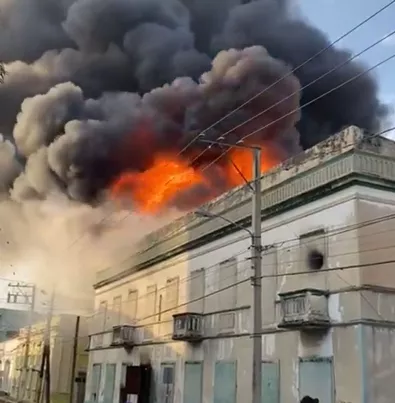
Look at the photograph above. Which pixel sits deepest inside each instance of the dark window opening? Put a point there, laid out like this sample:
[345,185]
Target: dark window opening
[315,259]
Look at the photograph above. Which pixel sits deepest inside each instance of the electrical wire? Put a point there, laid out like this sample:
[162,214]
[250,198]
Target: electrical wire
[250,134]
[327,234]
[350,80]
[377,264]
[266,89]
[330,45]
[168,236]
[339,66]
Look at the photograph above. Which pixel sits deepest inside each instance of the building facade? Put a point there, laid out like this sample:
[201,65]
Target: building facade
[12,357]
[328,291]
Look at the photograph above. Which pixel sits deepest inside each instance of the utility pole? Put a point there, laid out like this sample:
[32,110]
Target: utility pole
[74,360]
[22,294]
[256,264]
[45,371]
[256,280]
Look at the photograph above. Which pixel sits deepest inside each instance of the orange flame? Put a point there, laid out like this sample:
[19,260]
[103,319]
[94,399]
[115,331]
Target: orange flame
[170,176]
[157,186]
[240,164]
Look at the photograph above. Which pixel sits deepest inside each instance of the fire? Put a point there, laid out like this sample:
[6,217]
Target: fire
[170,177]
[242,159]
[159,184]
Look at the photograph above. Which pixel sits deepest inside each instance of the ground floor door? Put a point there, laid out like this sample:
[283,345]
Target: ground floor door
[95,386]
[109,383]
[225,382]
[193,382]
[270,382]
[316,379]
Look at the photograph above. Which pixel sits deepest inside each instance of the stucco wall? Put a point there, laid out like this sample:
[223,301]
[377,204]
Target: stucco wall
[336,214]
[379,364]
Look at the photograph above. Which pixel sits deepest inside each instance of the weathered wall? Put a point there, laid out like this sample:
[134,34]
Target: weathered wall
[320,200]
[377,239]
[379,365]
[281,267]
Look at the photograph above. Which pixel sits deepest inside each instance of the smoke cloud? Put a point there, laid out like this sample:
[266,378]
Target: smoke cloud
[96,88]
[99,70]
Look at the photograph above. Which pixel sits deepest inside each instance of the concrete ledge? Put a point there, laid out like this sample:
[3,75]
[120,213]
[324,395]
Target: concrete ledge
[329,166]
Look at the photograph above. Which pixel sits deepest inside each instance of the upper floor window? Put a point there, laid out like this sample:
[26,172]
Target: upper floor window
[117,307]
[313,249]
[227,280]
[132,304]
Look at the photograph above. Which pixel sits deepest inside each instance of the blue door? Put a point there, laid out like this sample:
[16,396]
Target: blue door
[270,382]
[109,383]
[316,379]
[225,381]
[193,382]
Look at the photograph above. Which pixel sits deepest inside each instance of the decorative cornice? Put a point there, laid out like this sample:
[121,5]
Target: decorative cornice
[327,167]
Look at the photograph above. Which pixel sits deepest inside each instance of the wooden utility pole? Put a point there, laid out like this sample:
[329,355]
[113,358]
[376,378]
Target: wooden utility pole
[74,360]
[45,371]
[41,374]
[48,376]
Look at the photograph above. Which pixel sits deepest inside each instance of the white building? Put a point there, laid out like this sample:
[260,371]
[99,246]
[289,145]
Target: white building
[12,356]
[328,225]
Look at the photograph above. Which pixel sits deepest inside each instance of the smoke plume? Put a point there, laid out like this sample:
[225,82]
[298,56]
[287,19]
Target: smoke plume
[99,94]
[76,102]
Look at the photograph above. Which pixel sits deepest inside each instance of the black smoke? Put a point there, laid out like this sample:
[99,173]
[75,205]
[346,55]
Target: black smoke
[95,87]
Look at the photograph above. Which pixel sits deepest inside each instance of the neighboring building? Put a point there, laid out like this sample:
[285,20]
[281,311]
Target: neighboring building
[328,299]
[62,338]
[8,351]
[11,320]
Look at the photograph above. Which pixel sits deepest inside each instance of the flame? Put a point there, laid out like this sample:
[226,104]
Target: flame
[240,166]
[157,186]
[169,177]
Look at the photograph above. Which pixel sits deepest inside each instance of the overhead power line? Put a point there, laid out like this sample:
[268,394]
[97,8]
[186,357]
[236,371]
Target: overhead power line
[330,45]
[273,84]
[301,107]
[376,264]
[327,234]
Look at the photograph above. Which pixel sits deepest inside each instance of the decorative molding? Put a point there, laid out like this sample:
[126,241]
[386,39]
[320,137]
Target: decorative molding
[325,165]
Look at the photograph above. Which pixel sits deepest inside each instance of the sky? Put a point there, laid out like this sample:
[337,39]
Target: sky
[336,17]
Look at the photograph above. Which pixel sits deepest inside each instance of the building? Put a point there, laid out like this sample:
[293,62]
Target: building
[11,320]
[328,291]
[12,355]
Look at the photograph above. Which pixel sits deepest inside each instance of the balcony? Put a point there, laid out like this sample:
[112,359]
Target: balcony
[123,336]
[188,326]
[305,309]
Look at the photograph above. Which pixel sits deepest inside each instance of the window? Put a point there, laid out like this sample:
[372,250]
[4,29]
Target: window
[117,306]
[103,314]
[132,304]
[180,323]
[227,278]
[171,296]
[313,249]
[194,324]
[196,293]
[150,310]
[150,306]
[167,383]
